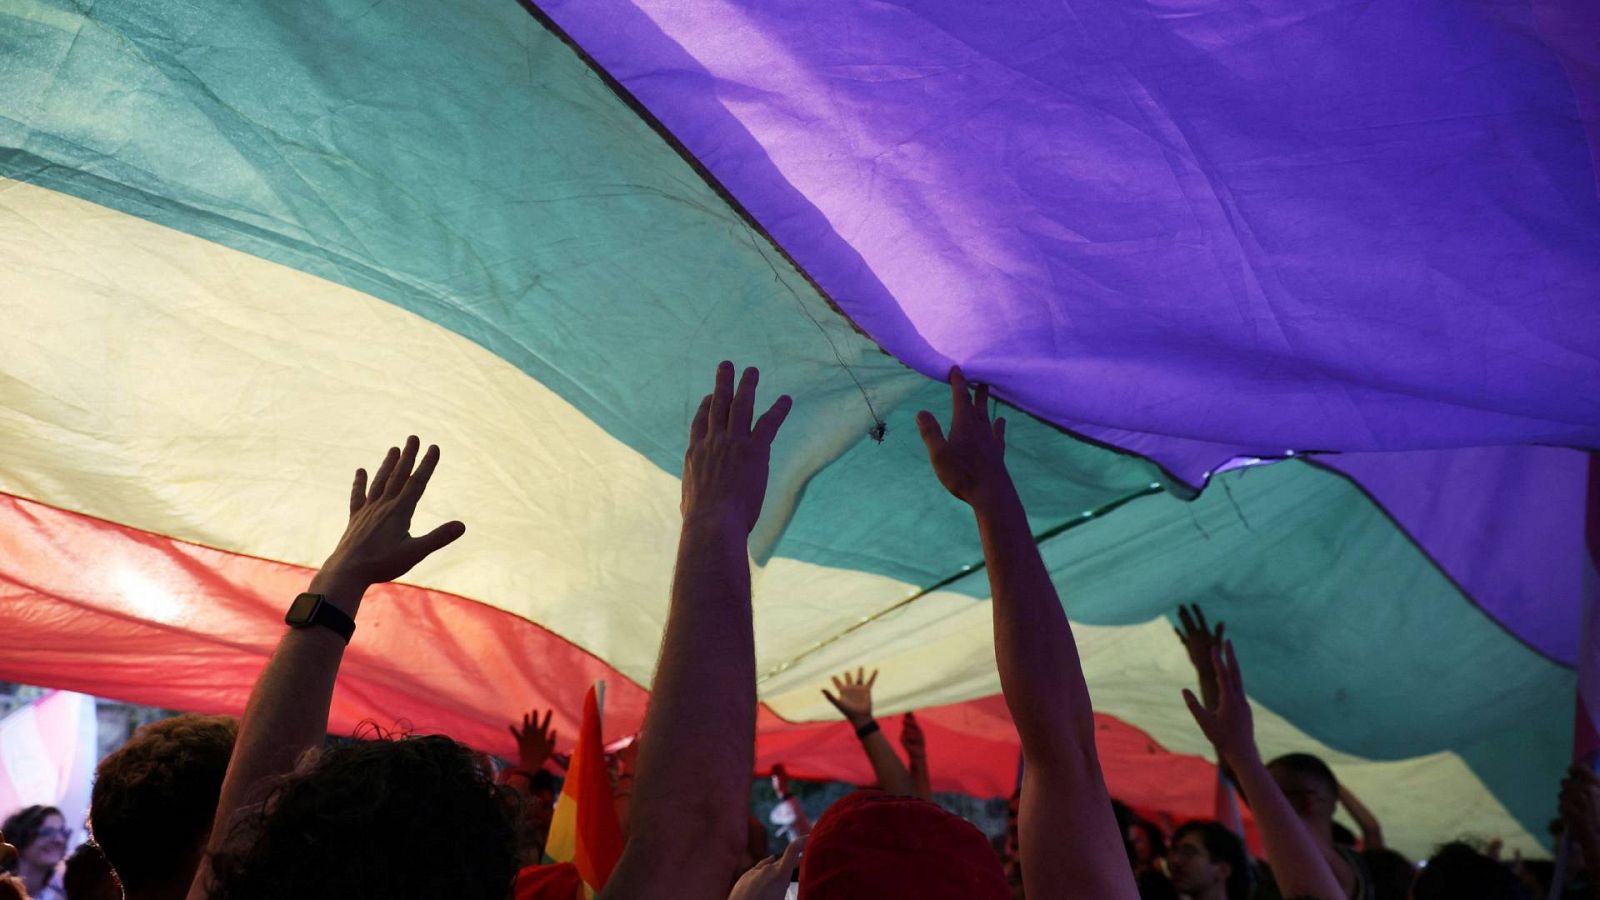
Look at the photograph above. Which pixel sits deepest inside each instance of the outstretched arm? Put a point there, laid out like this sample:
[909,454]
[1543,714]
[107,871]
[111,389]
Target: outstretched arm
[1298,863]
[854,702]
[1069,841]
[288,710]
[691,794]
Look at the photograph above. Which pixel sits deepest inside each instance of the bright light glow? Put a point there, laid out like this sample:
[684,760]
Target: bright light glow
[146,598]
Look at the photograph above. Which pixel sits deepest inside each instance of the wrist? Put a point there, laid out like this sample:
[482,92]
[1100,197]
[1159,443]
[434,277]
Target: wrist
[866,729]
[717,519]
[1239,759]
[996,501]
[338,588]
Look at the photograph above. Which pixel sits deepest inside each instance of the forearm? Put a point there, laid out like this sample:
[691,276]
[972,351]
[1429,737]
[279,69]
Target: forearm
[694,769]
[1371,831]
[1068,835]
[1297,862]
[920,778]
[893,777]
[1040,674]
[287,713]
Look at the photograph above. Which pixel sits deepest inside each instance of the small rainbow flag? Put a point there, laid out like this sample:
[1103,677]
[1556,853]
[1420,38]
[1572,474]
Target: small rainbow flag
[585,831]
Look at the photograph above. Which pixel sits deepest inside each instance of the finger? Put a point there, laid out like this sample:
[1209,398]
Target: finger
[721,398]
[791,857]
[702,416]
[546,725]
[1220,626]
[932,435]
[1235,676]
[412,492]
[1000,432]
[832,699]
[375,489]
[767,426]
[358,491]
[1195,709]
[514,733]
[873,680]
[420,548]
[402,469]
[1200,618]
[744,402]
[527,722]
[980,402]
[861,675]
[837,685]
[1184,617]
[960,399]
[1219,671]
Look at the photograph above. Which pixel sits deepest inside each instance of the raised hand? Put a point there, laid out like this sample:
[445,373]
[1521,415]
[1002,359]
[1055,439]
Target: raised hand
[1228,722]
[725,469]
[970,459]
[1200,641]
[911,737]
[377,545]
[535,740]
[854,700]
[769,879]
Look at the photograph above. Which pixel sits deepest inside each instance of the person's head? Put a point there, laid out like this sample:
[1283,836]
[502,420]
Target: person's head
[416,817]
[1391,873]
[1145,842]
[873,844]
[40,834]
[1458,870]
[1309,785]
[88,875]
[537,790]
[1204,855]
[154,800]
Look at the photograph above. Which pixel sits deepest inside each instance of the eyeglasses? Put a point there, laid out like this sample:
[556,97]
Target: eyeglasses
[52,832]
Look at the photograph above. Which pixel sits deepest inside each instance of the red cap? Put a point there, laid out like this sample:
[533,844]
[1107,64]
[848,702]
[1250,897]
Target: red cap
[874,845]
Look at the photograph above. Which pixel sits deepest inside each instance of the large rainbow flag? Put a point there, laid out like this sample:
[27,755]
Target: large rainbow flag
[244,246]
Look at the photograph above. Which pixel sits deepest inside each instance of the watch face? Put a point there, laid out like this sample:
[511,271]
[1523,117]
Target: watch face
[300,611]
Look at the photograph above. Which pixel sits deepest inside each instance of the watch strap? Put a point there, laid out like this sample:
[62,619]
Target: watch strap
[322,613]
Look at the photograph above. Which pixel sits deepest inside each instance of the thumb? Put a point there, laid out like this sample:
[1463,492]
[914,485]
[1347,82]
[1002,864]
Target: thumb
[420,548]
[1201,716]
[932,434]
[832,699]
[791,856]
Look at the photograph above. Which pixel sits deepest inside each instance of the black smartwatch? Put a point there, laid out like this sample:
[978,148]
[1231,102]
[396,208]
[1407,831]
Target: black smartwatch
[313,609]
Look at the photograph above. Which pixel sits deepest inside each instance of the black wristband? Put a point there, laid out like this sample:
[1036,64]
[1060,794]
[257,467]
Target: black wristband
[313,609]
[866,730]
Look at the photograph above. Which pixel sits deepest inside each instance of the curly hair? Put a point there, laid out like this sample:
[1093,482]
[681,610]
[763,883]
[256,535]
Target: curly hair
[417,817]
[155,797]
[89,875]
[21,828]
